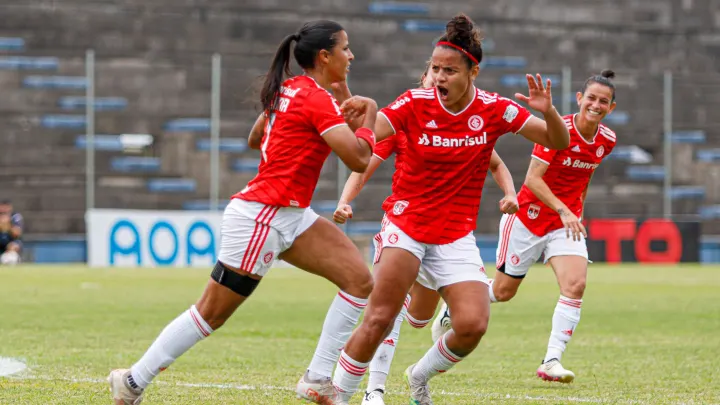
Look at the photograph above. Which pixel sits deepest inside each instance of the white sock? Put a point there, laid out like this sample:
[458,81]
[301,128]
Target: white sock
[348,376]
[438,359]
[417,323]
[491,292]
[380,364]
[340,321]
[564,321]
[177,338]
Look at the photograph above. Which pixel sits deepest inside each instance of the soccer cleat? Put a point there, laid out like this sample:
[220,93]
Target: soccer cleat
[375,397]
[419,391]
[122,393]
[552,370]
[321,392]
[442,323]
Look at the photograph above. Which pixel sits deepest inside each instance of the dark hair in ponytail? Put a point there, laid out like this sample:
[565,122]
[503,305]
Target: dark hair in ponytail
[603,78]
[313,37]
[461,32]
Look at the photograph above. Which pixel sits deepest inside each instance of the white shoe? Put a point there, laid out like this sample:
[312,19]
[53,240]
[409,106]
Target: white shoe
[321,392]
[442,323]
[419,392]
[375,397]
[552,370]
[122,393]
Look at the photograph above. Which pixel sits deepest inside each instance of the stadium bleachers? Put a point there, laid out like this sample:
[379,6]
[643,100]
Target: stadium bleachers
[151,79]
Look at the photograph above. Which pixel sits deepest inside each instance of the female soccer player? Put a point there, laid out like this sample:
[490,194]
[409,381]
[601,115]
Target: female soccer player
[451,131]
[549,220]
[422,302]
[271,217]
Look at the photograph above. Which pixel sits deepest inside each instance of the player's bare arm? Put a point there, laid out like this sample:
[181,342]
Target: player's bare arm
[256,133]
[503,178]
[552,132]
[342,93]
[352,188]
[534,181]
[351,147]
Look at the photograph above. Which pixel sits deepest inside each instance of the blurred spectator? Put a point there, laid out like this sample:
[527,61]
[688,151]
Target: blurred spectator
[11,224]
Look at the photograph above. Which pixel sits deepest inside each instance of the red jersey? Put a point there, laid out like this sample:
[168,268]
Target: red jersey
[568,175]
[293,150]
[437,196]
[396,144]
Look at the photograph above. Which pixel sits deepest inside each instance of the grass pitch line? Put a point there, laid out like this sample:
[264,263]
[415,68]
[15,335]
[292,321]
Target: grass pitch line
[237,387]
[10,366]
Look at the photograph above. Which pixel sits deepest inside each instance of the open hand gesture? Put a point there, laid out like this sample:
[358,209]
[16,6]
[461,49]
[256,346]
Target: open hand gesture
[539,97]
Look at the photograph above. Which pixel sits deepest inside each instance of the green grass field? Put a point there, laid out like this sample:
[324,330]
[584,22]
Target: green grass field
[648,335]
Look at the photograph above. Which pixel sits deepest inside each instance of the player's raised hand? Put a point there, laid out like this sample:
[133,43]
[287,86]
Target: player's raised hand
[341,91]
[342,213]
[355,106]
[509,204]
[539,97]
[572,224]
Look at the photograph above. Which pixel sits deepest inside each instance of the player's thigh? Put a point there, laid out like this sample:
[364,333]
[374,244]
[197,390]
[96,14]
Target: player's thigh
[569,260]
[505,287]
[323,249]
[469,305]
[394,274]
[423,302]
[518,248]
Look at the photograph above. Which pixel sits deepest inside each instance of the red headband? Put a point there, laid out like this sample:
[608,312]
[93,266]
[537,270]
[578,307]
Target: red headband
[451,45]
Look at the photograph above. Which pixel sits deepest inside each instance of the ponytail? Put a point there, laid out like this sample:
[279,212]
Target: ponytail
[279,68]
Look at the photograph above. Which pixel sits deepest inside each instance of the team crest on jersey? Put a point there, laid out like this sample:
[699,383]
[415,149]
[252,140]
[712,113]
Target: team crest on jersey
[533,211]
[475,123]
[268,257]
[399,207]
[393,238]
[600,151]
[510,113]
[514,259]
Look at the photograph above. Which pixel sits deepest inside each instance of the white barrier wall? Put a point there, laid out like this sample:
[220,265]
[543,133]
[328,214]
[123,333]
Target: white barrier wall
[131,238]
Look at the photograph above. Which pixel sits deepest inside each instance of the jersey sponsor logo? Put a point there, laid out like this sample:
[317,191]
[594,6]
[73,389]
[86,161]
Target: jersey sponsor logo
[431,124]
[399,103]
[576,148]
[268,257]
[579,164]
[399,207]
[510,113]
[533,211]
[439,141]
[393,238]
[514,259]
[294,203]
[600,151]
[475,123]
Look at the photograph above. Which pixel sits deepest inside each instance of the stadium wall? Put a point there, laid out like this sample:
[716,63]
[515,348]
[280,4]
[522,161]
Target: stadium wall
[183,238]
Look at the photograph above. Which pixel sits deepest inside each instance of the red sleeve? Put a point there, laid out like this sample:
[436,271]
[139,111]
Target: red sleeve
[398,112]
[609,137]
[512,115]
[323,112]
[543,154]
[386,147]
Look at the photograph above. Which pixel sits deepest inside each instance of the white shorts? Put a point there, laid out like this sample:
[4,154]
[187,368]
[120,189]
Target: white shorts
[254,234]
[519,248]
[440,265]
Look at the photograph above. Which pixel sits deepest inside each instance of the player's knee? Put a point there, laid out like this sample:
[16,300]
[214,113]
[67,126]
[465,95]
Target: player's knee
[574,288]
[470,329]
[361,286]
[504,293]
[379,322]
